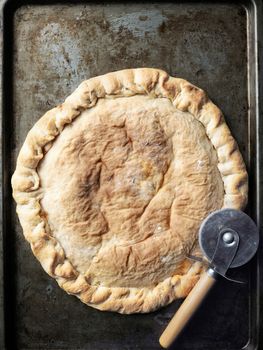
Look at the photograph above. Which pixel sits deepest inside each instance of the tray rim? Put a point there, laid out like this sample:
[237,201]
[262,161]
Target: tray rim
[254,9]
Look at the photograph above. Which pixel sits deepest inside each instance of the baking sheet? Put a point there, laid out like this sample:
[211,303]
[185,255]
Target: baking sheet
[49,48]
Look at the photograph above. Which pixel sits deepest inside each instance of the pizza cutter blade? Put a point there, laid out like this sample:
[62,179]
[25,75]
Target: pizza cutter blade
[228,238]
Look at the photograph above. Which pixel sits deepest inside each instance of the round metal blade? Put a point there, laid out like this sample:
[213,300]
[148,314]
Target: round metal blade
[222,220]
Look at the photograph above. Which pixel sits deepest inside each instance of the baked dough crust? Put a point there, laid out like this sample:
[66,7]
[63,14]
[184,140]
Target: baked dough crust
[29,187]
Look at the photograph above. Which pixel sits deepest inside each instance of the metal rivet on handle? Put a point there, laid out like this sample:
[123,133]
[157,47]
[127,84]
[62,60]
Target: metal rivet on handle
[228,237]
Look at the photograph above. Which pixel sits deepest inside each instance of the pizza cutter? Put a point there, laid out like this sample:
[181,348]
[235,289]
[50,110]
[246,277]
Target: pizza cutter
[228,238]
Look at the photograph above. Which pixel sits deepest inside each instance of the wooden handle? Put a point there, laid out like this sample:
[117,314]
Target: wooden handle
[188,308]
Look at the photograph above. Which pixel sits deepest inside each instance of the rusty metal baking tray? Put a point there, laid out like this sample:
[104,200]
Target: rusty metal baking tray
[49,48]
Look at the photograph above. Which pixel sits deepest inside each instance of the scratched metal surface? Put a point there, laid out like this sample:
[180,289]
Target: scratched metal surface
[56,47]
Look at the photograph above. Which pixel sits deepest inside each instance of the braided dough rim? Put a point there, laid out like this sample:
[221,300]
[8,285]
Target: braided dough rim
[26,183]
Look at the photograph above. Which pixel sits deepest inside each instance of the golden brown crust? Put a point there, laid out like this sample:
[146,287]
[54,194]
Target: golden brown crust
[27,187]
